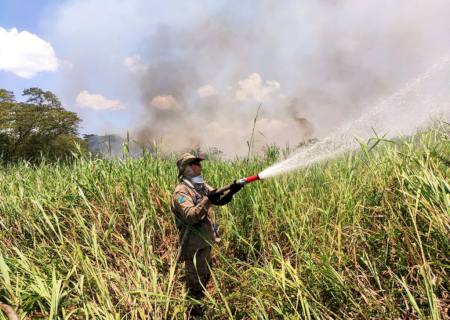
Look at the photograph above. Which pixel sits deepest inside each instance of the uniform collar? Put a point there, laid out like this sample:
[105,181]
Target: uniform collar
[185,180]
[199,188]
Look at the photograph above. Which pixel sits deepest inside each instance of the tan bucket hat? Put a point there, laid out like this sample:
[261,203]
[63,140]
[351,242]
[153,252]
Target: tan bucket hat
[185,160]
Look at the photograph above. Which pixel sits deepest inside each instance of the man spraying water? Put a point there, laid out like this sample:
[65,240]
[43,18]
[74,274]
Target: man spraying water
[192,203]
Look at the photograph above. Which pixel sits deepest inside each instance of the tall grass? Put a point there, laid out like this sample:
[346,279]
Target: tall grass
[365,236]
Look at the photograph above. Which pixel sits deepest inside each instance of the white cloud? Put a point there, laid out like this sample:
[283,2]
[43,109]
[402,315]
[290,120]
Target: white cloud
[97,101]
[25,54]
[165,102]
[206,91]
[253,88]
[134,63]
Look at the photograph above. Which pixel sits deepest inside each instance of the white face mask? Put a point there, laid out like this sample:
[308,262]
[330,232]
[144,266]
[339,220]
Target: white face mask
[197,179]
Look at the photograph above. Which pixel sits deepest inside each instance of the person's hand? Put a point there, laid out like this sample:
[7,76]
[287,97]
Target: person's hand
[235,187]
[214,196]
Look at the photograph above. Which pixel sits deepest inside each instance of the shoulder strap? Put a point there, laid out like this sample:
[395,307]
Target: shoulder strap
[188,183]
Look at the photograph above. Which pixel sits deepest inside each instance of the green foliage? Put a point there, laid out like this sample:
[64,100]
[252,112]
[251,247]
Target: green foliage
[365,236]
[36,128]
[6,96]
[271,153]
[42,98]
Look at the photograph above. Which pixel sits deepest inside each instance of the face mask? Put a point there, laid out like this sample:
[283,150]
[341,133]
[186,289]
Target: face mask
[197,179]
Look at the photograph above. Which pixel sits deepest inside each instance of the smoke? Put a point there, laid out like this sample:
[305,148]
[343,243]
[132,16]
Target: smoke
[201,70]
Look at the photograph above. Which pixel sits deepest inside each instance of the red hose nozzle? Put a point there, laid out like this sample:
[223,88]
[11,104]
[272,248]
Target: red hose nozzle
[249,179]
[242,182]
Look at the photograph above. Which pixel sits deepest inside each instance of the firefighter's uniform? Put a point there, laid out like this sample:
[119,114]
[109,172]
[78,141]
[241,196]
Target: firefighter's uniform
[192,203]
[194,214]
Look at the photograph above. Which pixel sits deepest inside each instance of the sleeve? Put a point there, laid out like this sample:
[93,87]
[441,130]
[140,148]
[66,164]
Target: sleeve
[225,199]
[187,211]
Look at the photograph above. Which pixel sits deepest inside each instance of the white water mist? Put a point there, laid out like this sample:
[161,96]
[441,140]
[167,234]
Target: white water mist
[409,109]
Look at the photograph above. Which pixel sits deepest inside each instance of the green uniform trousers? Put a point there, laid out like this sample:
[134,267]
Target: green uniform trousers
[197,272]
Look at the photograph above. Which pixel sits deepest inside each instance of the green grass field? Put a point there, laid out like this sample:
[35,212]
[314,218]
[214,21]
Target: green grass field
[365,236]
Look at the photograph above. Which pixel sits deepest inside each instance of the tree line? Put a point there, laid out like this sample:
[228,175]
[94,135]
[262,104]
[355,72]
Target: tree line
[40,127]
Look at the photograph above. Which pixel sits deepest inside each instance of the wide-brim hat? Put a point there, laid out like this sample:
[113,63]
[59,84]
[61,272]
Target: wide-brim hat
[185,160]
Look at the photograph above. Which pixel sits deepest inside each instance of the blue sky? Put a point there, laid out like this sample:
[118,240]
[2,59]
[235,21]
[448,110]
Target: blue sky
[23,14]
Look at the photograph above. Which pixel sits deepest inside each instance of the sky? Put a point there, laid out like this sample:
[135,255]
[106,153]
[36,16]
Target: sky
[193,73]
[61,33]
[24,16]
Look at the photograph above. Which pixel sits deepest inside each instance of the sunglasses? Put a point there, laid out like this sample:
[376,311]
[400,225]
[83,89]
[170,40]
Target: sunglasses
[195,163]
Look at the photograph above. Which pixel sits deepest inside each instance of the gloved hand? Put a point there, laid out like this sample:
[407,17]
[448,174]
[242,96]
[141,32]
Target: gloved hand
[235,187]
[214,196]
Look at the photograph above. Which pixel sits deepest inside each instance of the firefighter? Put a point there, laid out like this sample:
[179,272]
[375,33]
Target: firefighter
[192,203]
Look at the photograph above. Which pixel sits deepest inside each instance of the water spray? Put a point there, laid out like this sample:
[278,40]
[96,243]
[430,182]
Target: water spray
[402,113]
[409,109]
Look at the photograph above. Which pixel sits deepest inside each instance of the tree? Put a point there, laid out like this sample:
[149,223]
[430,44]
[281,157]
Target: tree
[41,98]
[39,126]
[6,96]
